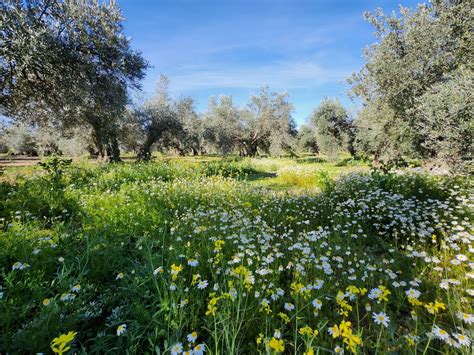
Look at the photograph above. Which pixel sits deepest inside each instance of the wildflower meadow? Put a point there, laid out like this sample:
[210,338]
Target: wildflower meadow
[234,256]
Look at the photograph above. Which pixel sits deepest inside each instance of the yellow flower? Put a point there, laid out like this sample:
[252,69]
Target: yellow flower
[335,331]
[218,244]
[345,307]
[414,301]
[410,340]
[265,307]
[310,351]
[259,339]
[345,327]
[434,308]
[356,291]
[60,344]
[211,307]
[384,294]
[277,345]
[284,317]
[46,302]
[175,270]
[306,330]
[296,287]
[353,341]
[195,279]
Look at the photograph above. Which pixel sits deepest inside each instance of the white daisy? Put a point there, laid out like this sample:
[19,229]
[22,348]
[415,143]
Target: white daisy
[412,293]
[466,317]
[202,284]
[121,329]
[317,304]
[462,339]
[177,349]
[440,333]
[381,318]
[199,349]
[192,337]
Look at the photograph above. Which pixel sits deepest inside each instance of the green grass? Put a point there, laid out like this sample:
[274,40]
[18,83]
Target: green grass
[254,255]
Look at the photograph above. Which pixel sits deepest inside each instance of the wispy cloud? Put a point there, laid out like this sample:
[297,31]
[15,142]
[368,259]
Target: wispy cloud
[288,74]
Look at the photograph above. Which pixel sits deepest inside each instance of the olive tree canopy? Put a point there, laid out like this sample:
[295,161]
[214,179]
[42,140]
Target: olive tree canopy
[420,66]
[67,63]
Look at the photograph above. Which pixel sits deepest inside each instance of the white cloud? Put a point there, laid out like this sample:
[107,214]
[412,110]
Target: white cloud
[289,74]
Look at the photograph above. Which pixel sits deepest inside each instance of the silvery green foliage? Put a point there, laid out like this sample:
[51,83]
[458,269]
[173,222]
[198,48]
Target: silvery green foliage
[375,132]
[445,118]
[190,138]
[269,125]
[21,138]
[307,139]
[331,127]
[416,53]
[265,125]
[168,123]
[221,125]
[67,63]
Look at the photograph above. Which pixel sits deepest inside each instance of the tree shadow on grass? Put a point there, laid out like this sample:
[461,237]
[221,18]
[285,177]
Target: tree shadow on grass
[259,175]
[310,160]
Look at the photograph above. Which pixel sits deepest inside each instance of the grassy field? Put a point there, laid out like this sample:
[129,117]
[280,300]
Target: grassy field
[228,256]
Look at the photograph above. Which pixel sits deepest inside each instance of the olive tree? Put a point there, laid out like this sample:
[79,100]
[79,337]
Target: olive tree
[171,124]
[421,56]
[306,139]
[67,63]
[265,124]
[221,125]
[333,129]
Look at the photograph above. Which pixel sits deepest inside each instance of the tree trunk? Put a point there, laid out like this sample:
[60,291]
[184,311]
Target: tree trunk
[97,138]
[144,154]
[350,145]
[250,150]
[113,151]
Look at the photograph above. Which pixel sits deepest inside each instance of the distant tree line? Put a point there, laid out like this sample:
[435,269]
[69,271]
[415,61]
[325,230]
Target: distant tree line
[67,72]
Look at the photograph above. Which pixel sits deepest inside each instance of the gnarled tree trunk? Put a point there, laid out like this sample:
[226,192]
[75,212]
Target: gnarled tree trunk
[144,153]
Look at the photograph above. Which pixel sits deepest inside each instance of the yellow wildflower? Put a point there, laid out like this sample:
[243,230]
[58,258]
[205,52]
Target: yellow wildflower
[211,307]
[61,344]
[434,308]
[297,287]
[306,330]
[284,317]
[384,294]
[414,301]
[277,345]
[218,244]
[175,270]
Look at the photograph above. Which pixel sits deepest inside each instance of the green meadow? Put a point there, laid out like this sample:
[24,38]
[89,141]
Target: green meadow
[234,255]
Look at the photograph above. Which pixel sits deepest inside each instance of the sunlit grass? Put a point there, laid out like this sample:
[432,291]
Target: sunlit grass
[235,256]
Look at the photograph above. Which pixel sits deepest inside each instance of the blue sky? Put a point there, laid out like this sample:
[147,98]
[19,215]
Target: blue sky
[230,47]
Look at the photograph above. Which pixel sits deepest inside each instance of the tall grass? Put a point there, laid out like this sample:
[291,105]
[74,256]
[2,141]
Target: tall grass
[187,255]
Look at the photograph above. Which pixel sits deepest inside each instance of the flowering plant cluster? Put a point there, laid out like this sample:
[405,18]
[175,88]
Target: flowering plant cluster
[160,258]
